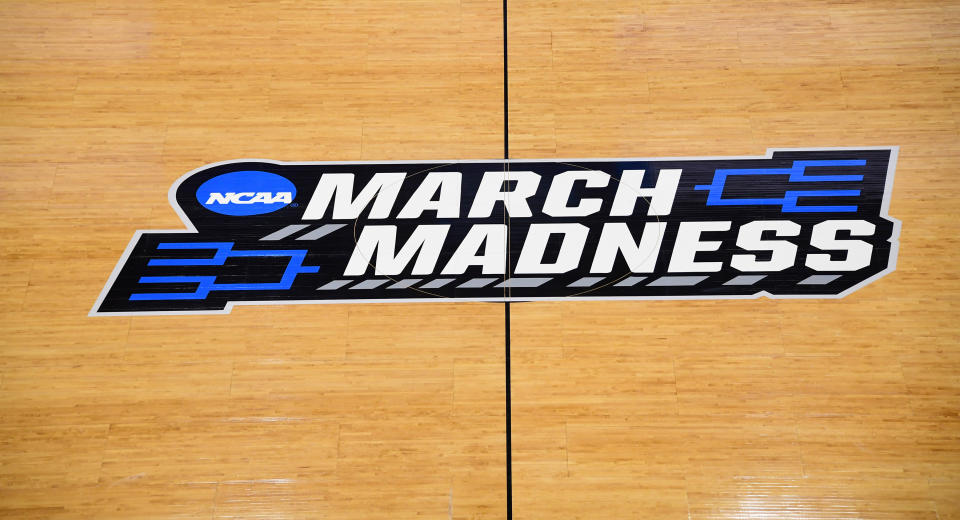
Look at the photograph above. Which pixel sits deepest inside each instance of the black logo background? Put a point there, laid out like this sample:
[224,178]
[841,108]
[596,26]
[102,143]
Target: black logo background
[331,252]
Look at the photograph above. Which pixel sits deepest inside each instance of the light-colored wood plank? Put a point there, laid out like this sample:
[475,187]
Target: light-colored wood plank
[729,409]
[779,409]
[302,411]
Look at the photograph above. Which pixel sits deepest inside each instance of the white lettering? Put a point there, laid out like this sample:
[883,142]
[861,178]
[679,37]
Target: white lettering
[447,206]
[824,237]
[556,202]
[382,241]
[383,186]
[248,197]
[661,195]
[491,191]
[534,246]
[688,244]
[617,238]
[783,253]
[493,239]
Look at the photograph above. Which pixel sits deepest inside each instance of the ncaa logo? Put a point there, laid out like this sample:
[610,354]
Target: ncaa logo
[248,192]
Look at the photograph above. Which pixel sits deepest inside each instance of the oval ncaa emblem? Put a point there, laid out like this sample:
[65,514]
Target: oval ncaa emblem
[248,192]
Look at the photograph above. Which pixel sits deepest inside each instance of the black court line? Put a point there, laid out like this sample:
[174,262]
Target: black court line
[506,321]
[506,304]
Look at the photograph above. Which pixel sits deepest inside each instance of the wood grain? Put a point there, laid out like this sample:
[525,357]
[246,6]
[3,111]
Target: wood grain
[726,409]
[747,409]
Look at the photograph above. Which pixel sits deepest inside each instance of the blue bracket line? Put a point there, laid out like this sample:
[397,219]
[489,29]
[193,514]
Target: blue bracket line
[789,201]
[206,284]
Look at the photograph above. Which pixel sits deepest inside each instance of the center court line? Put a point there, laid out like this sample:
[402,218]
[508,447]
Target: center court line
[506,289]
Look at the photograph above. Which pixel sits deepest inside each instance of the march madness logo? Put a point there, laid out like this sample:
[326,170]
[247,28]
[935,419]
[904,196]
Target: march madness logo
[793,224]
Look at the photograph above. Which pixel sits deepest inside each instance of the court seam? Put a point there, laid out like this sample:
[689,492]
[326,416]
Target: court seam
[506,303]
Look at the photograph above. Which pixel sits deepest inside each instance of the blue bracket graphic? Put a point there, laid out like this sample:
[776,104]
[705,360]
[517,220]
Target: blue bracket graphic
[206,284]
[788,203]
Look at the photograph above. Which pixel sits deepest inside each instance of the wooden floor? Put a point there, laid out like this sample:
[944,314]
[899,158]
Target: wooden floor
[833,409]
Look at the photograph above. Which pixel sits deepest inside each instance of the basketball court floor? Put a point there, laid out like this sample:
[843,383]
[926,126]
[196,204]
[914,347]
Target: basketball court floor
[819,408]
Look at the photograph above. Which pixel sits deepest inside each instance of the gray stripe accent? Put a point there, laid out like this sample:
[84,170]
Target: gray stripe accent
[369,284]
[403,284]
[523,282]
[586,281]
[336,284]
[745,279]
[436,284]
[321,231]
[819,279]
[630,281]
[285,232]
[676,281]
[477,283]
